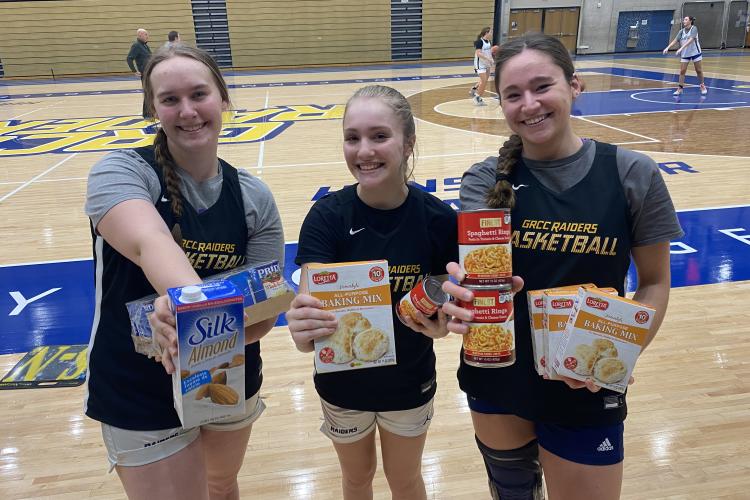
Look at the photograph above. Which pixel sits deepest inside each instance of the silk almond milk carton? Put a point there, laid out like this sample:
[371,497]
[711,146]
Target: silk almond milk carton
[359,294]
[209,380]
[603,339]
[535,299]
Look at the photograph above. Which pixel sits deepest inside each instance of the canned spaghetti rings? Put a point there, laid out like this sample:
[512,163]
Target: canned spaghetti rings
[426,297]
[484,248]
[490,341]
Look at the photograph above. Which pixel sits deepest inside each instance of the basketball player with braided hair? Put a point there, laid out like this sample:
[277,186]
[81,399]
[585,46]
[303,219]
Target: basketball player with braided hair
[580,211]
[162,216]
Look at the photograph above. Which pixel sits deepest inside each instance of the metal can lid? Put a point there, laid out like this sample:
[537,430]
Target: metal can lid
[503,288]
[433,288]
[502,209]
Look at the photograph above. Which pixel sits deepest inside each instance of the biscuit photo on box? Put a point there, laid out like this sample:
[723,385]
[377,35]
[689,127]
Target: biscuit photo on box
[586,357]
[370,345]
[610,370]
[340,341]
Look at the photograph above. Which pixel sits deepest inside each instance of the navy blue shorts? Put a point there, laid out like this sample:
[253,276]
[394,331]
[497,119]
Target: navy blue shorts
[596,445]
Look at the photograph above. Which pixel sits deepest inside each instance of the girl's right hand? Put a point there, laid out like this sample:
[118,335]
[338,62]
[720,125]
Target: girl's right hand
[307,321]
[665,51]
[460,314]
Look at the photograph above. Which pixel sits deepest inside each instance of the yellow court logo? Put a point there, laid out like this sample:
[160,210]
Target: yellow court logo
[86,135]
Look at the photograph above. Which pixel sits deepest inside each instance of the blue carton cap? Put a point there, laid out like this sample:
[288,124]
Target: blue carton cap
[213,291]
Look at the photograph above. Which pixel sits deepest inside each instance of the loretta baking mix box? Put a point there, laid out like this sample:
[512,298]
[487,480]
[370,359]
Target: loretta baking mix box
[209,380]
[535,299]
[603,339]
[558,304]
[359,294]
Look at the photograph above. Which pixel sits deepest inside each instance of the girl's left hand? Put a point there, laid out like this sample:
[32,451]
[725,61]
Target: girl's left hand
[434,328]
[163,324]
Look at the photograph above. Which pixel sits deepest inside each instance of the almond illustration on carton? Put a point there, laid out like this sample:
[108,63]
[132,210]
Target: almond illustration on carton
[219,378]
[202,392]
[184,374]
[237,360]
[222,394]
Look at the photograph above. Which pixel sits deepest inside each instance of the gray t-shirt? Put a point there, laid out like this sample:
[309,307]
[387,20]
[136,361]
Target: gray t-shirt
[124,175]
[652,212]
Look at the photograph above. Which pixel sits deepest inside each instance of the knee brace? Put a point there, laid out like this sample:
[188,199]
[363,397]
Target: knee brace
[513,474]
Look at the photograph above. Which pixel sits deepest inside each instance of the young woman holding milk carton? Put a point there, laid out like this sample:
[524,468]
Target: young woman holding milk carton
[149,207]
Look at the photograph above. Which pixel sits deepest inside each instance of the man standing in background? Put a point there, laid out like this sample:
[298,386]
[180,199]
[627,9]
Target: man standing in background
[139,54]
[172,38]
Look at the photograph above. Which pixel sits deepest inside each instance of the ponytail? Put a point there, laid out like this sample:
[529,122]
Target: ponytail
[484,31]
[172,181]
[502,194]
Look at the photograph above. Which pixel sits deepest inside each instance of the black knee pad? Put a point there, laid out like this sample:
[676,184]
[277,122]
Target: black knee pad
[513,474]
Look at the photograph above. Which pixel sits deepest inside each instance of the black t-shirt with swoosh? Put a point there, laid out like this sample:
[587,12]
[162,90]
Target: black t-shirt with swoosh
[418,238]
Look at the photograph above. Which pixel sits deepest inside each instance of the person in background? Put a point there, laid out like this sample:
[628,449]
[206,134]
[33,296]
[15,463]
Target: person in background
[137,59]
[689,51]
[483,64]
[172,38]
[139,53]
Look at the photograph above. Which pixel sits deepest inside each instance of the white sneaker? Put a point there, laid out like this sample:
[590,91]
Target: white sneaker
[479,101]
[473,92]
[704,90]
[677,92]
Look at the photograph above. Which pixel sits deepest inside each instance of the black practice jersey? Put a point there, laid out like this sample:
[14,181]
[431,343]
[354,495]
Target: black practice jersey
[417,239]
[127,389]
[580,235]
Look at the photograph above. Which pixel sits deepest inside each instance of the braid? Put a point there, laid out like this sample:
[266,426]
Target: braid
[166,162]
[502,195]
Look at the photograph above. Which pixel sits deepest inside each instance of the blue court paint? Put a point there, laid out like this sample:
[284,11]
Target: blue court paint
[722,93]
[52,303]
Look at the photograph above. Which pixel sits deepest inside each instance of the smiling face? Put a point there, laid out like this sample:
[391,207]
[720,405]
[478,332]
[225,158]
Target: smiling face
[536,99]
[686,21]
[375,148]
[188,103]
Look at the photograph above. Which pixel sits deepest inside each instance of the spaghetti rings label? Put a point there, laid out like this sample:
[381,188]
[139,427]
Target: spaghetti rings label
[490,341]
[484,249]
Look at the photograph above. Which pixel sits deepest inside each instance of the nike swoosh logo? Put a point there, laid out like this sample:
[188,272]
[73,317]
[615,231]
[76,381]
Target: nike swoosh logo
[353,232]
[164,199]
[516,188]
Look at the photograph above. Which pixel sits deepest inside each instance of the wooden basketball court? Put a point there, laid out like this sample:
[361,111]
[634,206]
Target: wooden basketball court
[687,433]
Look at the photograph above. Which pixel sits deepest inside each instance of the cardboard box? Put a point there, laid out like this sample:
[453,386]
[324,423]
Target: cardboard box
[208,384]
[265,294]
[359,294]
[603,339]
[557,307]
[535,299]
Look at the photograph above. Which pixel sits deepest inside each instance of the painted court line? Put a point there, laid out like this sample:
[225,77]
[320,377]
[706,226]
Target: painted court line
[650,139]
[22,186]
[262,148]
